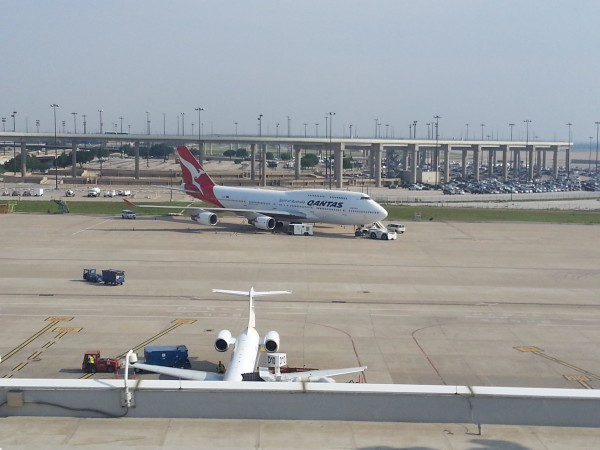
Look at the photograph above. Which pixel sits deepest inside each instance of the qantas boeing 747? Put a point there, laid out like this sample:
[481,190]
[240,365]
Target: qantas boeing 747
[266,208]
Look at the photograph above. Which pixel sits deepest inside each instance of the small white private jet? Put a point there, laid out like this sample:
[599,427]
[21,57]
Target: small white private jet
[265,208]
[246,351]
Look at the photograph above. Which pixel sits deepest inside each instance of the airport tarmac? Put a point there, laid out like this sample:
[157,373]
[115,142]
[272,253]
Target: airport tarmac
[491,304]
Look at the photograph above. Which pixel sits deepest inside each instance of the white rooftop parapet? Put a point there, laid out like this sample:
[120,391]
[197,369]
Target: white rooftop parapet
[300,401]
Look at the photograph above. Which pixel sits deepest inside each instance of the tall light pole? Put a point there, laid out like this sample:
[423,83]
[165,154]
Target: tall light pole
[330,114]
[590,157]
[305,125]
[147,122]
[121,119]
[317,129]
[84,123]
[288,123]
[74,122]
[467,136]
[4,124]
[183,124]
[37,125]
[482,127]
[597,125]
[14,115]
[387,128]
[527,122]
[567,163]
[199,109]
[164,124]
[54,106]
[350,131]
[260,116]
[415,129]
[376,123]
[100,111]
[437,151]
[511,125]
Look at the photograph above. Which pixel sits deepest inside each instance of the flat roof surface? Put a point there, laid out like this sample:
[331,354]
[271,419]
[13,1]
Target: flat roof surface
[491,304]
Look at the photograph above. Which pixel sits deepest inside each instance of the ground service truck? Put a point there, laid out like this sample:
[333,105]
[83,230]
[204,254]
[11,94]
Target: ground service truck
[167,356]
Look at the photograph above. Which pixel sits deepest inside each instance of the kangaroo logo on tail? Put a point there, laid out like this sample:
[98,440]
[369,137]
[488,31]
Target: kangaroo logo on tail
[196,180]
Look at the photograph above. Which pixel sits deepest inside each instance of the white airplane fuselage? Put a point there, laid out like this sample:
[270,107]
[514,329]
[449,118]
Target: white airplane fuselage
[243,356]
[316,205]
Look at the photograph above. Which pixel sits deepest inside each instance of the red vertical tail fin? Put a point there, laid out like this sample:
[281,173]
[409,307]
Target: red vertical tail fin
[196,181]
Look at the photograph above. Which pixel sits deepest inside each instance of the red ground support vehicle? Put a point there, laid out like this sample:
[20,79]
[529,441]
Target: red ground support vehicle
[109,365]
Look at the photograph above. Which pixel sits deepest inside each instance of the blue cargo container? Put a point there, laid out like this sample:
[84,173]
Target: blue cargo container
[167,355]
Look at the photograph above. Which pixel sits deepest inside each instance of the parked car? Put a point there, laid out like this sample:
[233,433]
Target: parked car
[127,214]
[397,227]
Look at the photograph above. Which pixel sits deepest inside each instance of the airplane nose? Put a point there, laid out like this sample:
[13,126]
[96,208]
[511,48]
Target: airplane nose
[382,213]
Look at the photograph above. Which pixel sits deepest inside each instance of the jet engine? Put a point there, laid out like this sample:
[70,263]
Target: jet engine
[271,341]
[224,340]
[205,218]
[264,223]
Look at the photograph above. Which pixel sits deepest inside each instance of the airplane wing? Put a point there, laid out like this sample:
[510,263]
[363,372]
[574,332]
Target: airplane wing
[276,214]
[319,375]
[185,374]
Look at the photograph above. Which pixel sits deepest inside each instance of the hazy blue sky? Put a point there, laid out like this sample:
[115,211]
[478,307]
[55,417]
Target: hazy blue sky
[468,61]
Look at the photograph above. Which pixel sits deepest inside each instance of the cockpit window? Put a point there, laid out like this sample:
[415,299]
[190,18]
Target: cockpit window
[365,197]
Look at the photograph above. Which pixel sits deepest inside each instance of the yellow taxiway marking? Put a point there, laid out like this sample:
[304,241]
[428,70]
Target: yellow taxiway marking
[581,379]
[540,352]
[53,322]
[19,366]
[35,355]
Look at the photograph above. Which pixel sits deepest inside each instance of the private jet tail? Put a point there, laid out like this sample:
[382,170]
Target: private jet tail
[196,181]
[251,294]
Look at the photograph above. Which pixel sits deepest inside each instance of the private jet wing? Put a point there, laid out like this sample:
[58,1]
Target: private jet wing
[319,375]
[197,375]
[184,374]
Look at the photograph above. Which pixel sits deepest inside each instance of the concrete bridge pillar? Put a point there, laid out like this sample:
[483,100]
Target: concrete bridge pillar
[538,162]
[201,152]
[23,160]
[263,165]
[136,153]
[74,147]
[338,152]
[464,163]
[568,159]
[371,162]
[446,150]
[504,149]
[412,149]
[530,149]
[476,149]
[404,159]
[491,162]
[376,149]
[253,162]
[544,162]
[554,150]
[297,164]
[517,163]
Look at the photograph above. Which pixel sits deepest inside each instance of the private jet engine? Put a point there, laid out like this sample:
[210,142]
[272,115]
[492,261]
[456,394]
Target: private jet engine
[271,341]
[224,340]
[205,217]
[264,222]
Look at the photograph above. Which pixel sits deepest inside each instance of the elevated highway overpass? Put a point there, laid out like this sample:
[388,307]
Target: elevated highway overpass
[415,153]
